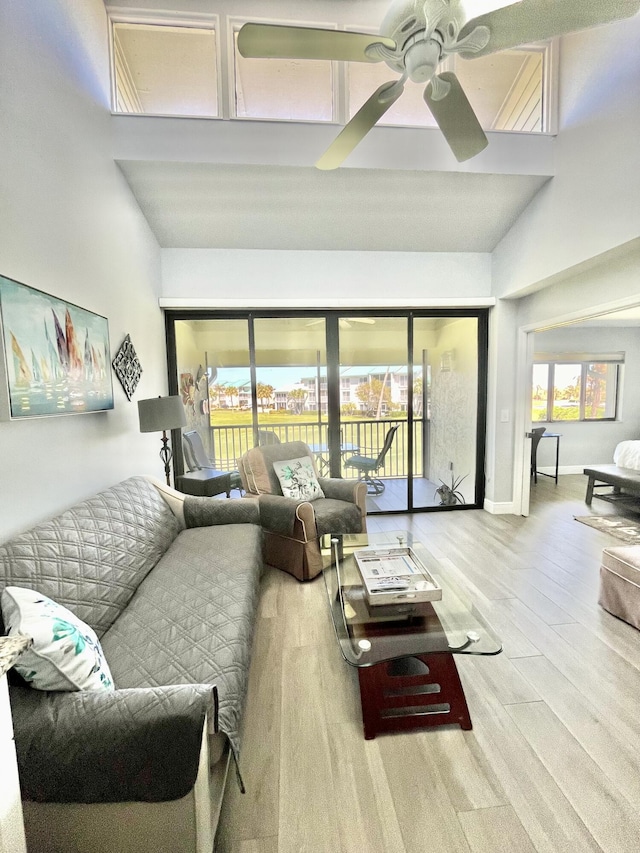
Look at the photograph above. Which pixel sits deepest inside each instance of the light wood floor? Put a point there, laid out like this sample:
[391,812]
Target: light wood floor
[553,761]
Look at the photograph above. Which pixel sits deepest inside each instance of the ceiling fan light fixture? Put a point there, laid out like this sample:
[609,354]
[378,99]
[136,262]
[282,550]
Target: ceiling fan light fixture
[422,59]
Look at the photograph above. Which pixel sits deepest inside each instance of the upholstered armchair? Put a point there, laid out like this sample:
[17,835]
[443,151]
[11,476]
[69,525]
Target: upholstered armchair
[293,526]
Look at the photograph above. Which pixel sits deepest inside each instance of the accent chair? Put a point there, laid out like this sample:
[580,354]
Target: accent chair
[292,527]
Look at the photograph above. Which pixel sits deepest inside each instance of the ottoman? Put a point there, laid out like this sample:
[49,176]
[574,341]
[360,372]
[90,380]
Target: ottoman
[620,583]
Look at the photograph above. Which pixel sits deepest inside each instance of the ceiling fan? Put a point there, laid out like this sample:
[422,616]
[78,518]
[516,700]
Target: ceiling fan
[416,36]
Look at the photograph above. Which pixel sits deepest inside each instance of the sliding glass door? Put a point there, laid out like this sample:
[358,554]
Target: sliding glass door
[394,398]
[374,426]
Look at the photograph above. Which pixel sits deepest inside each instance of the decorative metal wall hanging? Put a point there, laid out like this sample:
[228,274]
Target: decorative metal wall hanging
[127,367]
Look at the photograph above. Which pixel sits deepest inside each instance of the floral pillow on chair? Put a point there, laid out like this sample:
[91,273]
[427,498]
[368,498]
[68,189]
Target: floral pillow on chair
[298,479]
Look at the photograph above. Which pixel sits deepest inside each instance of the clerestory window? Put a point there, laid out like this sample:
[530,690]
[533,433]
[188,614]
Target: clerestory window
[164,69]
[189,66]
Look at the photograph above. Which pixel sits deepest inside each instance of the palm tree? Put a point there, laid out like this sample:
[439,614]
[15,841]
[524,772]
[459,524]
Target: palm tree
[232,392]
[217,392]
[298,396]
[264,393]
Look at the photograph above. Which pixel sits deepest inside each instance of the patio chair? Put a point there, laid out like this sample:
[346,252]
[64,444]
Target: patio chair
[267,436]
[194,453]
[292,527]
[197,459]
[369,465]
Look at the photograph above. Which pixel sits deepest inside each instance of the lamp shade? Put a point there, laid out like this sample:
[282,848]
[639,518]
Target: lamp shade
[161,413]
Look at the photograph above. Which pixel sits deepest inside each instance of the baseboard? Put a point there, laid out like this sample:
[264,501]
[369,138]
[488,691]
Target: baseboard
[504,508]
[563,469]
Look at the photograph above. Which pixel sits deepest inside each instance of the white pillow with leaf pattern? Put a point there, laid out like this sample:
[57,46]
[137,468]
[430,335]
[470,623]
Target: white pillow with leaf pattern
[66,653]
[298,479]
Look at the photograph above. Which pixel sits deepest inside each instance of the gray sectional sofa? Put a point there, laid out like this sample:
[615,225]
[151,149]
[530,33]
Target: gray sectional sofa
[169,583]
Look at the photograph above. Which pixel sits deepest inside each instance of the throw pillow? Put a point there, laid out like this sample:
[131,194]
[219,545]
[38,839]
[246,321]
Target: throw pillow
[65,655]
[298,479]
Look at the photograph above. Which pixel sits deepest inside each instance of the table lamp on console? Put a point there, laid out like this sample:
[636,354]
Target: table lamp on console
[160,414]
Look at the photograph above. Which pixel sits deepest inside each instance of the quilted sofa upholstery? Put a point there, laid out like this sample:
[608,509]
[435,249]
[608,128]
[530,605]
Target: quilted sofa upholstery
[170,584]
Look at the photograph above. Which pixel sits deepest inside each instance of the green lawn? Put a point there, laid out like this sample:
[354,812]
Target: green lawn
[232,435]
[243,417]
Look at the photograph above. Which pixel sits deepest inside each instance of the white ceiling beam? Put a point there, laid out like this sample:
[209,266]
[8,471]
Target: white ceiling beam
[246,142]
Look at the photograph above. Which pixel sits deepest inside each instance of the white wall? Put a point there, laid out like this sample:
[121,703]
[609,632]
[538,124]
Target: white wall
[70,227]
[608,283]
[501,398]
[593,203]
[322,278]
[578,238]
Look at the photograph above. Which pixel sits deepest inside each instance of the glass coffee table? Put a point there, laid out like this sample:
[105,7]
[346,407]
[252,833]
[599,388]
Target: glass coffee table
[404,652]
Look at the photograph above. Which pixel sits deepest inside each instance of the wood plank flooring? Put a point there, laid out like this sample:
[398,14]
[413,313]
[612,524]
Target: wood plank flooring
[553,761]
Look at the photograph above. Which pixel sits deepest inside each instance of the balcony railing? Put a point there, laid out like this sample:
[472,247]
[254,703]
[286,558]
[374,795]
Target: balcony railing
[227,443]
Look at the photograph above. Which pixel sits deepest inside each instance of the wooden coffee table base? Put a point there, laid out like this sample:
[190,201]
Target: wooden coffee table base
[412,692]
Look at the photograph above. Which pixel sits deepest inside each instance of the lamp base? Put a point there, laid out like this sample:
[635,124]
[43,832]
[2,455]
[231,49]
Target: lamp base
[166,456]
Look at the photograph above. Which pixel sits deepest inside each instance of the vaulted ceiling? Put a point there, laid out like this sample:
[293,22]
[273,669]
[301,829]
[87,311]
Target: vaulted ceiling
[220,183]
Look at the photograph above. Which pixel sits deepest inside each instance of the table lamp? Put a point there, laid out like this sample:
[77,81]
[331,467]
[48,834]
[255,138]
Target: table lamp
[160,414]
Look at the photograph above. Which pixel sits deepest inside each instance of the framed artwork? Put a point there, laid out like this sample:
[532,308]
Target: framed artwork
[56,357]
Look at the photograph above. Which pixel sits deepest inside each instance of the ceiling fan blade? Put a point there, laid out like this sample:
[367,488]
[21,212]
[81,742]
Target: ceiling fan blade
[456,118]
[283,42]
[362,122]
[536,20]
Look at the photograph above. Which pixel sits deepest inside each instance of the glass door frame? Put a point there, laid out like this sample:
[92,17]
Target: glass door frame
[331,317]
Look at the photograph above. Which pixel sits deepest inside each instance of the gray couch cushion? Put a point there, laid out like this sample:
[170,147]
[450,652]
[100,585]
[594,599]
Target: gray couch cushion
[191,620]
[92,557]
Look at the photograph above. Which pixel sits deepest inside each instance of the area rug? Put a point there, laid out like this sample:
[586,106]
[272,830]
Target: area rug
[626,529]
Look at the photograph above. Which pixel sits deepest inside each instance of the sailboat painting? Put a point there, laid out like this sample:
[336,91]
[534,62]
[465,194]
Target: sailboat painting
[56,355]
